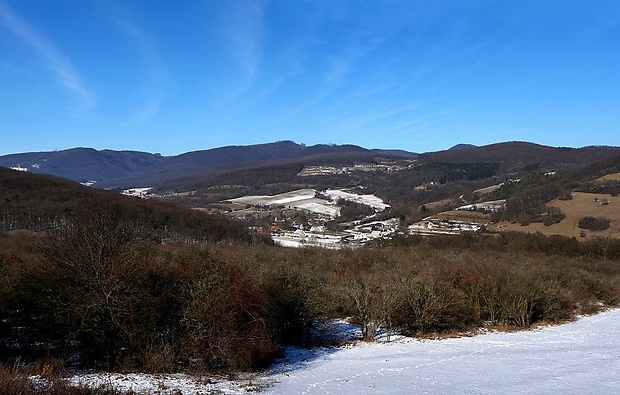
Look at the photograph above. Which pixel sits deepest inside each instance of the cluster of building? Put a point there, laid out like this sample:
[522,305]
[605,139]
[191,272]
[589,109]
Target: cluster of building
[433,226]
[485,207]
[330,170]
[307,235]
[138,192]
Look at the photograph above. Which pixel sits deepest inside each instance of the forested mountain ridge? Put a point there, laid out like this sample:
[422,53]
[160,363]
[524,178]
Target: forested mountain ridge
[521,153]
[127,169]
[83,164]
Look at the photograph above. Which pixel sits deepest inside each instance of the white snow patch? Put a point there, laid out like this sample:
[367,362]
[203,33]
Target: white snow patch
[369,200]
[320,208]
[171,384]
[308,239]
[575,358]
[305,199]
[138,192]
[492,206]
[295,198]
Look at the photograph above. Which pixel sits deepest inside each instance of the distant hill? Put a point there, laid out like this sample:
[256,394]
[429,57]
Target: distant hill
[196,162]
[283,171]
[411,184]
[83,164]
[522,153]
[462,147]
[395,152]
[128,169]
[39,202]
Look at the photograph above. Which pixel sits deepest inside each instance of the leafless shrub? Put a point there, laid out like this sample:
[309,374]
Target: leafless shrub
[15,381]
[225,319]
[371,300]
[432,305]
[116,301]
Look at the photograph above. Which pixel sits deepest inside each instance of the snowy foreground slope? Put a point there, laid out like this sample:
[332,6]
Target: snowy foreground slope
[582,357]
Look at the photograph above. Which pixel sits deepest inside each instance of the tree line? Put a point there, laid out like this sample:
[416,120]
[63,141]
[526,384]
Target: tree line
[42,203]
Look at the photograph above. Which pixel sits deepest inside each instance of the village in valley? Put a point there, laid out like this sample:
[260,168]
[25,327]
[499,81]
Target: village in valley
[311,217]
[301,217]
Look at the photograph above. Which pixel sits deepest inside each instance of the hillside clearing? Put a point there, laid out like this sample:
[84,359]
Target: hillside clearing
[488,190]
[609,177]
[580,206]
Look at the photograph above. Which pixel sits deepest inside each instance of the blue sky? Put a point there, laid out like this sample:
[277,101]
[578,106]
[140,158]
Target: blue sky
[171,77]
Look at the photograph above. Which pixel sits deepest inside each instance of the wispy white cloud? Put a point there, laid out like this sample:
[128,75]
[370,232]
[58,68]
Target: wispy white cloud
[293,69]
[371,116]
[344,62]
[56,61]
[242,29]
[147,111]
[156,71]
[243,24]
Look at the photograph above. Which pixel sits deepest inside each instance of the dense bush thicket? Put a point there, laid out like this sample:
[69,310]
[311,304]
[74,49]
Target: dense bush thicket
[593,223]
[100,294]
[606,187]
[517,242]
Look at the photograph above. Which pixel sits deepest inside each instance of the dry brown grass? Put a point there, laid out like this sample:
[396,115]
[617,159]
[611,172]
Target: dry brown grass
[465,216]
[487,190]
[40,380]
[609,177]
[441,203]
[582,205]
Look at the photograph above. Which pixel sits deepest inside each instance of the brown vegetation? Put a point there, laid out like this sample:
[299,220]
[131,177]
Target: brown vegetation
[44,203]
[43,379]
[121,283]
[98,294]
[594,224]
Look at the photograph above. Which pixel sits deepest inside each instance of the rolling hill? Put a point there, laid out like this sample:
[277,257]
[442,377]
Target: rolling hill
[516,153]
[204,177]
[83,164]
[39,202]
[125,169]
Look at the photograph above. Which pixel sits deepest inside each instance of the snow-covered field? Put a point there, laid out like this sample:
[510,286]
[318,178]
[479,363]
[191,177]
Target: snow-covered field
[305,199]
[581,357]
[309,240]
[368,200]
[302,198]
